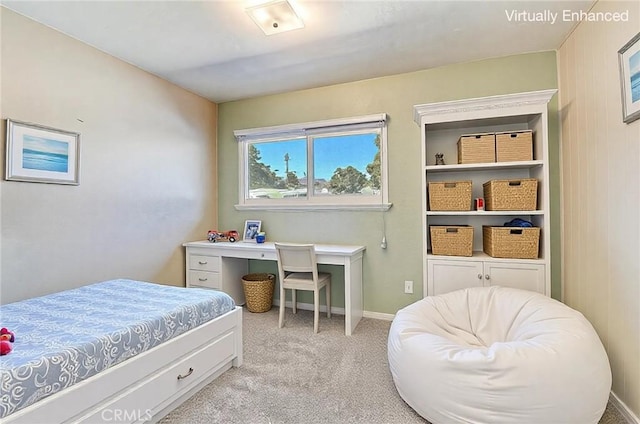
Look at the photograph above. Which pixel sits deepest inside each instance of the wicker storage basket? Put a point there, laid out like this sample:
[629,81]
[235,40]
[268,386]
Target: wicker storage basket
[514,146]
[477,148]
[511,242]
[258,291]
[456,240]
[511,195]
[450,196]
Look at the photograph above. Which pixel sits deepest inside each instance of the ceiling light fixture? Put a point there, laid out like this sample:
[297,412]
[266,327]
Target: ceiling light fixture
[275,17]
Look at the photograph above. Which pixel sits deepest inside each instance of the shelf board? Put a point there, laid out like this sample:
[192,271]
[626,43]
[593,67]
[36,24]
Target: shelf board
[490,166]
[482,213]
[481,256]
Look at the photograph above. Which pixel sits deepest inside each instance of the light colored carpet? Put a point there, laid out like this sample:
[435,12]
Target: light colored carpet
[292,375]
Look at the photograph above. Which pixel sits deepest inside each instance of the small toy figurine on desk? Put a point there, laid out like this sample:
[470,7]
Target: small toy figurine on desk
[439,158]
[214,236]
[6,338]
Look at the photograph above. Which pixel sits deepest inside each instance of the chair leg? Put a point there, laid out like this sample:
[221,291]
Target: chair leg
[327,292]
[316,309]
[282,302]
[294,301]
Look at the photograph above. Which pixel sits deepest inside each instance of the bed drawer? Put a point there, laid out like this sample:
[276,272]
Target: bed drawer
[205,279]
[149,397]
[204,263]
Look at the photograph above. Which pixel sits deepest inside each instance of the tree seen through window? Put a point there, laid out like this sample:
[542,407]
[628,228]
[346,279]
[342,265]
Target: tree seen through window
[342,165]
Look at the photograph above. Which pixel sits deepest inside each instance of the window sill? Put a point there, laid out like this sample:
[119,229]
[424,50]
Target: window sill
[379,207]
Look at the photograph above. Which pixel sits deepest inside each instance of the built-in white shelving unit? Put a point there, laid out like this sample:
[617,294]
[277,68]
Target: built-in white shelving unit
[441,125]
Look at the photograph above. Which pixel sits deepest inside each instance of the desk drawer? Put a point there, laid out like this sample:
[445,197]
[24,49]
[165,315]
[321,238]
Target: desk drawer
[205,279]
[204,263]
[256,254]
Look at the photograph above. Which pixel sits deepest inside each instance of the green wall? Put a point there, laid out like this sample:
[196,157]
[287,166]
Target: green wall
[384,270]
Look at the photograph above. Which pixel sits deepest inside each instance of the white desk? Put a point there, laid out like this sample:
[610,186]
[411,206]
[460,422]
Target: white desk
[221,266]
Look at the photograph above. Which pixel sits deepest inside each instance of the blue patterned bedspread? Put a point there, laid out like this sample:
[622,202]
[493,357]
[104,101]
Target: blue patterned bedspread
[64,338]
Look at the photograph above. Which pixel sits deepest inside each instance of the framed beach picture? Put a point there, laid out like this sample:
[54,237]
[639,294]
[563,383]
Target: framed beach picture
[251,230]
[40,154]
[629,58]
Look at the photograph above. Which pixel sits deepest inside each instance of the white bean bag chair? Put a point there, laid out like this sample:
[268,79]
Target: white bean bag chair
[498,355]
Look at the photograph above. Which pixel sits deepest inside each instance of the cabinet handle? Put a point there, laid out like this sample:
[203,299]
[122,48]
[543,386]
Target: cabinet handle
[479,276]
[486,276]
[180,376]
[203,263]
[262,255]
[202,279]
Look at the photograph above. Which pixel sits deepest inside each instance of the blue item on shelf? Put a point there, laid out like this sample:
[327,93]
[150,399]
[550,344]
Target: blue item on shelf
[517,222]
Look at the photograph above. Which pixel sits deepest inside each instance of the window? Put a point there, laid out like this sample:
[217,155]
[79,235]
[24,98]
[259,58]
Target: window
[335,164]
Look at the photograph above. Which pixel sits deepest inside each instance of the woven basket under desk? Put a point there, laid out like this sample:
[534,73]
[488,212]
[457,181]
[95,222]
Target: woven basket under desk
[258,291]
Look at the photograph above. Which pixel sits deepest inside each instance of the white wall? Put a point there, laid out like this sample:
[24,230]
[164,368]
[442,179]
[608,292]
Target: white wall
[601,194]
[148,176]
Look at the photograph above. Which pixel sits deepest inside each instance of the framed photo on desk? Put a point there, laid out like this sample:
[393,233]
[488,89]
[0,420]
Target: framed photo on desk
[251,230]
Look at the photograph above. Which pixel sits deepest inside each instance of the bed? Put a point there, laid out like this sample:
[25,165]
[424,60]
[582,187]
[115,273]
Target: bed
[115,351]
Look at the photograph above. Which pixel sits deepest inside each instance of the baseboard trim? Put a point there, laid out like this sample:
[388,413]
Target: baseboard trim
[338,311]
[378,315]
[624,410]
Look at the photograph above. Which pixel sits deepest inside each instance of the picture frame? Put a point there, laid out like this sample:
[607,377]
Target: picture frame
[39,154]
[629,61]
[251,229]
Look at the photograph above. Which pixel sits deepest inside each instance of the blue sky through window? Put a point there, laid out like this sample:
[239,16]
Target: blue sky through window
[357,150]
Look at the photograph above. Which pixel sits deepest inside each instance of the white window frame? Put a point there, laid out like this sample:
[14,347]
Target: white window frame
[309,131]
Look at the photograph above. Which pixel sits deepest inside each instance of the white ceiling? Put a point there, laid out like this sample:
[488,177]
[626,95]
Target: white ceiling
[214,49]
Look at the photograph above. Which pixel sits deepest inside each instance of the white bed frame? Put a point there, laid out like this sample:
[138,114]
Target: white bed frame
[148,386]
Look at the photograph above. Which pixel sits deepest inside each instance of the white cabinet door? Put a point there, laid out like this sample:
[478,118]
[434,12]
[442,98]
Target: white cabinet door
[444,276]
[517,275]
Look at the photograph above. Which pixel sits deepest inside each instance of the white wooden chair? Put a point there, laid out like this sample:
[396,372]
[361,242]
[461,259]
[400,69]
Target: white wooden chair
[298,270]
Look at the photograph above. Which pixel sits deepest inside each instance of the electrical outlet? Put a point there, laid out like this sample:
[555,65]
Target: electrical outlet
[408,287]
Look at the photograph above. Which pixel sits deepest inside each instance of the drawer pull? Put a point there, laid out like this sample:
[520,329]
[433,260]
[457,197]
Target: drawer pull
[202,279]
[180,376]
[203,262]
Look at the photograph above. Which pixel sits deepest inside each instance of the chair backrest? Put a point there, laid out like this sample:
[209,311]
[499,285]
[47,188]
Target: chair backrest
[297,258]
